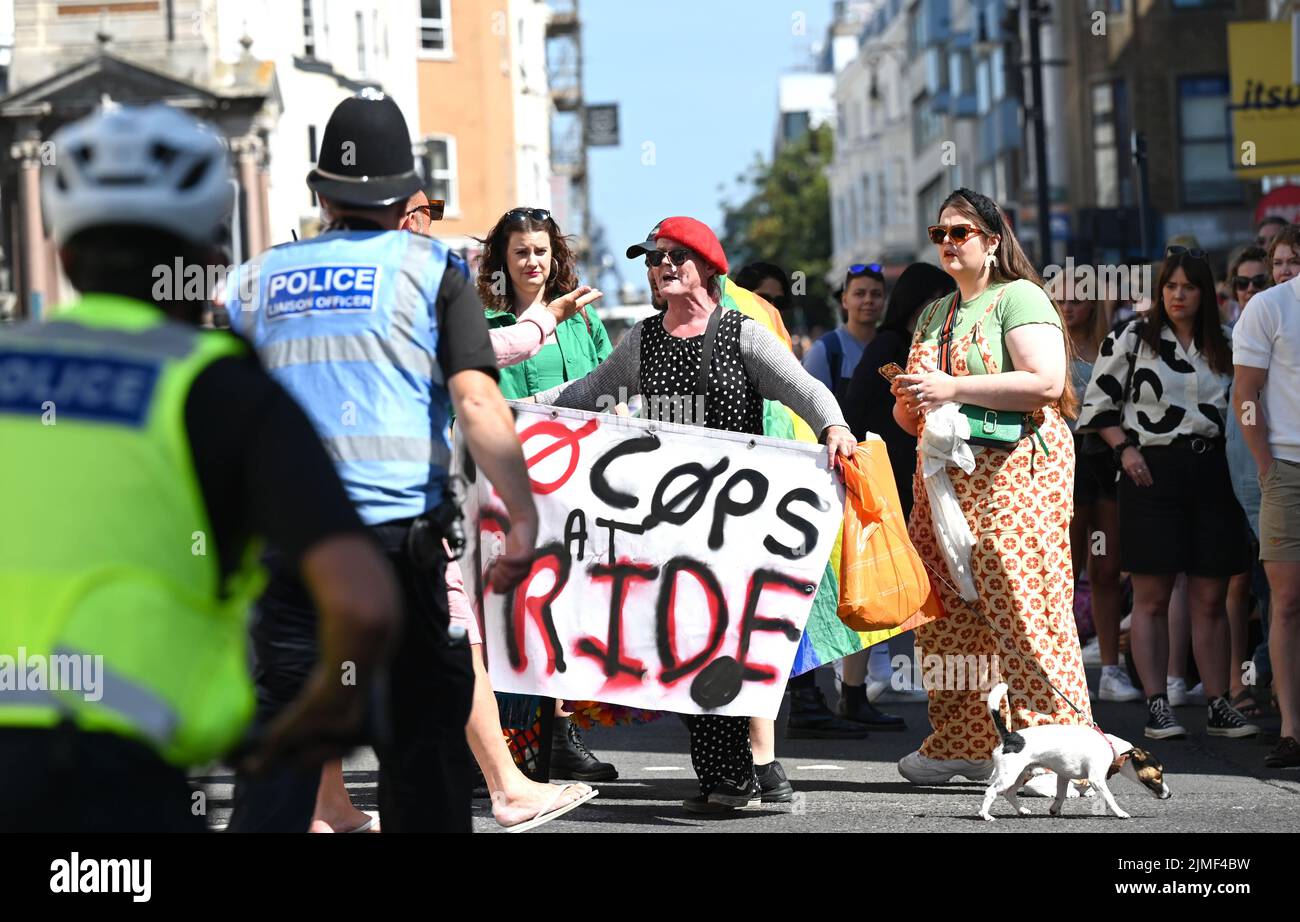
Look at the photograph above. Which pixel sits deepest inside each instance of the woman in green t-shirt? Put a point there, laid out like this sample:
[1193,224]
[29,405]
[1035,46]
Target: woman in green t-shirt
[997,344]
[526,261]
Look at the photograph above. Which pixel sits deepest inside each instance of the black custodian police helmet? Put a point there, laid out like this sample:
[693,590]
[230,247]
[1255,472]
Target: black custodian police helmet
[365,157]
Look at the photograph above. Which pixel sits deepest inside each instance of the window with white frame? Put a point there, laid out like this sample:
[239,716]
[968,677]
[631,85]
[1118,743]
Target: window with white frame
[308,31]
[864,219]
[361,44]
[436,161]
[435,28]
[882,197]
[1205,142]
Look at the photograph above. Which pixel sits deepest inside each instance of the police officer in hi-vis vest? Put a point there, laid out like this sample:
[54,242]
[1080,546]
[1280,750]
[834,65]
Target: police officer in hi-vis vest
[379,335]
[144,461]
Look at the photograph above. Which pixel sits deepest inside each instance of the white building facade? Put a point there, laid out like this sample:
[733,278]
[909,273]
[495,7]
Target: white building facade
[323,51]
[533,106]
[872,207]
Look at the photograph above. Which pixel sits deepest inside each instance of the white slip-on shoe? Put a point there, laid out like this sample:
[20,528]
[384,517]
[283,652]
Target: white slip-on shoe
[1092,653]
[1117,687]
[1181,696]
[883,692]
[920,769]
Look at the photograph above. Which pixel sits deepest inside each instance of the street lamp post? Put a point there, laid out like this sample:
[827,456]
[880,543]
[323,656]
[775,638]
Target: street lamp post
[1038,11]
[1144,191]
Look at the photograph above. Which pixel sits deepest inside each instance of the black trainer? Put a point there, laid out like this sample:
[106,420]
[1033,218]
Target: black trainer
[773,784]
[733,795]
[1286,754]
[570,757]
[854,706]
[1226,720]
[811,719]
[1161,723]
[726,797]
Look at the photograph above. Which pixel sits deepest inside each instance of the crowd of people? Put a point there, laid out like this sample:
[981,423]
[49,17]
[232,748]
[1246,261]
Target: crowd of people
[1110,452]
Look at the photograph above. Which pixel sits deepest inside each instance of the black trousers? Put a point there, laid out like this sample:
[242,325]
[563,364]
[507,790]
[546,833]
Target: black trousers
[425,768]
[68,780]
[720,750]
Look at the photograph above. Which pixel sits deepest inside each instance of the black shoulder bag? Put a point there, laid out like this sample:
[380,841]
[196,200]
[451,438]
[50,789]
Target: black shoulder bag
[1002,429]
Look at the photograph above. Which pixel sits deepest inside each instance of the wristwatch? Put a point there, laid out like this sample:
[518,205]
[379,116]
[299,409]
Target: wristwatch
[1118,450]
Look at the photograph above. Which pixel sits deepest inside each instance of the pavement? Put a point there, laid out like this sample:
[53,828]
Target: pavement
[1218,785]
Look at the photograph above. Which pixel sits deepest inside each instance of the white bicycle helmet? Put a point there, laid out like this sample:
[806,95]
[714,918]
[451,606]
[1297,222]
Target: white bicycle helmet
[140,165]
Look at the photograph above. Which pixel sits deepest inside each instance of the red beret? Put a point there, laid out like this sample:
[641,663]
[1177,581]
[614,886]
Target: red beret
[696,235]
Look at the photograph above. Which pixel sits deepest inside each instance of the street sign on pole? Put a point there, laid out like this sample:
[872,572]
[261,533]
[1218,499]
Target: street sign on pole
[602,125]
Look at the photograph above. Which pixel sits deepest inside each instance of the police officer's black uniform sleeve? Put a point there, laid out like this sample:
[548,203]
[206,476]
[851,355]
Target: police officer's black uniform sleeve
[261,467]
[463,340]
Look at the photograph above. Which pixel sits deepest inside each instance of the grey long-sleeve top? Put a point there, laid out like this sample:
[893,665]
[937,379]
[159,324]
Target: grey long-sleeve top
[771,368]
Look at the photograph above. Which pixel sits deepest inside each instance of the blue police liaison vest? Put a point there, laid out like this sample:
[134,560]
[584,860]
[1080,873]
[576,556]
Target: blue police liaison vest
[346,323]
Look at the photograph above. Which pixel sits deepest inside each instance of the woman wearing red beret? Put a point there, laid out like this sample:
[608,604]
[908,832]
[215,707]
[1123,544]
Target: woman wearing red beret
[660,358]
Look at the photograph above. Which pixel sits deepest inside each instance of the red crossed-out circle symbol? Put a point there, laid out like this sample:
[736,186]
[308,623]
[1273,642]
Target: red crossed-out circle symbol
[564,437]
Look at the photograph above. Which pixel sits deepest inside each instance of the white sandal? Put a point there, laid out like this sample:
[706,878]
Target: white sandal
[549,811]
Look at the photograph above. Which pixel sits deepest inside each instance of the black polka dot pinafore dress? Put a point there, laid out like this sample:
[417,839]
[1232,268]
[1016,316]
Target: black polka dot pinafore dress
[670,372]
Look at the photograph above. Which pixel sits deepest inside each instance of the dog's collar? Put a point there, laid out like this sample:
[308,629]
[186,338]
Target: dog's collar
[1119,760]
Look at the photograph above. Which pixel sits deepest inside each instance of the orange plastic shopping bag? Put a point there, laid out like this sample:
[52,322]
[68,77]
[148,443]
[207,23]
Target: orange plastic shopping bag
[883,583]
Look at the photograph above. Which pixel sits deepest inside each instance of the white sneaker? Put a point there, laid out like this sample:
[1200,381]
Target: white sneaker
[1044,785]
[1180,695]
[884,692]
[1115,686]
[920,769]
[1092,653]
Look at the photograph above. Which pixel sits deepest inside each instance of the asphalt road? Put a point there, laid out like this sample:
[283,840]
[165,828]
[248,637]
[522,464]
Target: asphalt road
[1218,785]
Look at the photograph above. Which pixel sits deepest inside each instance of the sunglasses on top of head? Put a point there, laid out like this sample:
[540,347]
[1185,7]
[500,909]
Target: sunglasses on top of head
[522,214]
[860,269]
[1190,252]
[958,233]
[678,256]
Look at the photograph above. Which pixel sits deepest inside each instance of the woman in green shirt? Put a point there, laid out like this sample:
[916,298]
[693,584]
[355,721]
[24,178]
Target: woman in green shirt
[997,348]
[527,261]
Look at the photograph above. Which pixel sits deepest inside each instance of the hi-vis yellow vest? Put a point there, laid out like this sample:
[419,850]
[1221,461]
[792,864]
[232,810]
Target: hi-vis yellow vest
[112,608]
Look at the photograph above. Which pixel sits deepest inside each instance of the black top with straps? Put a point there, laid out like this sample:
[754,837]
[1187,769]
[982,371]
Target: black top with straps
[671,376]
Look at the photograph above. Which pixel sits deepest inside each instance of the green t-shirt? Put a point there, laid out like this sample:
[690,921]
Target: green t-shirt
[1023,303]
[548,367]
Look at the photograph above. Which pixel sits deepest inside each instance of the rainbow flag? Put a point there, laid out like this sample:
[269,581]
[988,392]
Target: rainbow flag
[826,638]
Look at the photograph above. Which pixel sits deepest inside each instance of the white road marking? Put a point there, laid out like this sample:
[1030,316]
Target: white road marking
[664,768]
[820,768]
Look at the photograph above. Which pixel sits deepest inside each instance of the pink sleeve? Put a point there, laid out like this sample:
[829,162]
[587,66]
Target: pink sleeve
[523,340]
[459,608]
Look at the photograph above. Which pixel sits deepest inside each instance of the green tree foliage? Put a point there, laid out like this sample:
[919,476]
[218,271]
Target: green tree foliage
[787,220]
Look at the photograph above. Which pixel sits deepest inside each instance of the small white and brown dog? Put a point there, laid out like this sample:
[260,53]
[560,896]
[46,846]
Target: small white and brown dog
[1073,752]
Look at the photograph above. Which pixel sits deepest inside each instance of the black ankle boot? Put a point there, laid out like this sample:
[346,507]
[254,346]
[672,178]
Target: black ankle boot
[570,757]
[811,719]
[854,706]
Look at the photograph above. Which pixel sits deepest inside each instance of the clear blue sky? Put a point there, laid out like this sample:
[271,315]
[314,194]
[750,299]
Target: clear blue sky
[698,79]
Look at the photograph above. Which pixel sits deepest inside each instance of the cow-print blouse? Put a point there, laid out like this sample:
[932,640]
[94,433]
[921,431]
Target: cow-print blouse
[1175,393]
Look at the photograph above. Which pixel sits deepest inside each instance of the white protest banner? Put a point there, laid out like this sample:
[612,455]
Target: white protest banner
[675,566]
